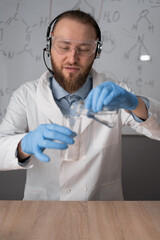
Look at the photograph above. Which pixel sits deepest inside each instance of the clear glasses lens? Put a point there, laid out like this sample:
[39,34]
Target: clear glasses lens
[64,46]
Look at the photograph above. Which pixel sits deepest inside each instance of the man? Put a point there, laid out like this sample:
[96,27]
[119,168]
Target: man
[32,135]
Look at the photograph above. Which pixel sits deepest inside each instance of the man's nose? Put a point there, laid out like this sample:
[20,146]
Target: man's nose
[73,56]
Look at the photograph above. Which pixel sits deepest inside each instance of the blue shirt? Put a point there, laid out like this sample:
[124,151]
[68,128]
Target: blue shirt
[65,99]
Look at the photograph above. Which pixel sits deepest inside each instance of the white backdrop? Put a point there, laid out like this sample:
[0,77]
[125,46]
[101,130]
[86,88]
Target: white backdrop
[129,29]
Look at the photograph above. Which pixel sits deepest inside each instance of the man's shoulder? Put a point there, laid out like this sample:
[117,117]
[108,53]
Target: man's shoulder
[32,85]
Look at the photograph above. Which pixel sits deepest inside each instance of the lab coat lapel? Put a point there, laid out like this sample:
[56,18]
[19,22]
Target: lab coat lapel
[85,123]
[45,101]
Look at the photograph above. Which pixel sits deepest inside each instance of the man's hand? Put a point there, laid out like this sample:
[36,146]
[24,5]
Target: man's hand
[112,95]
[46,136]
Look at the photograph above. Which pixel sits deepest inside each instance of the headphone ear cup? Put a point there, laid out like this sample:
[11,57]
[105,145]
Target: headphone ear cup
[48,47]
[98,50]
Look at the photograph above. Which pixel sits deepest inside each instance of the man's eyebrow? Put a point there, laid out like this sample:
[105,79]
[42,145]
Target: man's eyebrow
[84,44]
[65,41]
[79,43]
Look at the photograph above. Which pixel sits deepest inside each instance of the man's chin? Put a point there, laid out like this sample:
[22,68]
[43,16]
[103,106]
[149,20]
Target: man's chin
[70,81]
[71,78]
[70,75]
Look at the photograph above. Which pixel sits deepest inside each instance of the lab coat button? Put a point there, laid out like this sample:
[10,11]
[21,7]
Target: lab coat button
[83,158]
[67,190]
[84,189]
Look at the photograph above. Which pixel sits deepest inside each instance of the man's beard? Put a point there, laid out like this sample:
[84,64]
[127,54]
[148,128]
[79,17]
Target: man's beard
[71,83]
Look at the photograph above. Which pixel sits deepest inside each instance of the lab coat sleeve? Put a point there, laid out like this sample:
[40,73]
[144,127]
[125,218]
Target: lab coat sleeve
[150,127]
[152,124]
[12,130]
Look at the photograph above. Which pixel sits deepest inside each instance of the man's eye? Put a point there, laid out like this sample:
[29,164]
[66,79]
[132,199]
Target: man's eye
[64,47]
[83,50]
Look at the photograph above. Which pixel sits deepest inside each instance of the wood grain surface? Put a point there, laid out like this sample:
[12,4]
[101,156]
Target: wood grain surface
[112,220]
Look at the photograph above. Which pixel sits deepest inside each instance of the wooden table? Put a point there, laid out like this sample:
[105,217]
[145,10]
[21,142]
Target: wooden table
[21,220]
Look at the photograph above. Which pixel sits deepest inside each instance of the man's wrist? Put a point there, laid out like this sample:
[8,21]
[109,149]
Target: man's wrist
[23,162]
[22,156]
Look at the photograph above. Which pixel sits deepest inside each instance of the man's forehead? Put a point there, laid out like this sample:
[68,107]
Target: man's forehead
[66,20]
[67,23]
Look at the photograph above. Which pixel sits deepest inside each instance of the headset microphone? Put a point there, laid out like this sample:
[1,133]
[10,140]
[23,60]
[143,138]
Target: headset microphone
[44,59]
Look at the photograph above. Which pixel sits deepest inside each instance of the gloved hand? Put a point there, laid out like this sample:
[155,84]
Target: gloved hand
[43,137]
[112,95]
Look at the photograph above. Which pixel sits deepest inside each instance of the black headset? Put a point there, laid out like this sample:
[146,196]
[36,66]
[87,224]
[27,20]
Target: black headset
[47,49]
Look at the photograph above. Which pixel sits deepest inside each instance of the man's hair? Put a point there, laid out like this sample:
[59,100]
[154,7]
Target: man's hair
[79,16]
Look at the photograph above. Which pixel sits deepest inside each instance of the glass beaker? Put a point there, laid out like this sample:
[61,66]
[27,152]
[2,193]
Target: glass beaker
[108,116]
[73,151]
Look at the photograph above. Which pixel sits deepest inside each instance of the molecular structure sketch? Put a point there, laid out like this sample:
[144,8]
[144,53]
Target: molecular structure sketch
[139,82]
[140,46]
[83,4]
[91,8]
[27,30]
[153,3]
[109,41]
[143,16]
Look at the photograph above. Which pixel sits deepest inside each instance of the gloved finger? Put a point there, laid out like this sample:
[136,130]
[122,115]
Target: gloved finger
[61,129]
[88,101]
[46,143]
[96,94]
[101,99]
[54,135]
[115,98]
[110,99]
[41,156]
[53,144]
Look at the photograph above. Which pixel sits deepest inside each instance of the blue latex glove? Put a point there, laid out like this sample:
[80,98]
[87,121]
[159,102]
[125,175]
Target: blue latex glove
[43,137]
[112,95]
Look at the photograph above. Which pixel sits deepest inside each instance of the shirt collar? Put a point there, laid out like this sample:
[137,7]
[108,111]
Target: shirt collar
[59,92]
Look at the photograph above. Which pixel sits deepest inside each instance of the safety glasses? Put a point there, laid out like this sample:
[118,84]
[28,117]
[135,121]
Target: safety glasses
[82,48]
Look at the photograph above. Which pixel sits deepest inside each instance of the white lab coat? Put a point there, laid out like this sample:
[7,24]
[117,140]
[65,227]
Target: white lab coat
[97,173]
